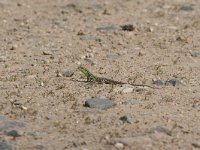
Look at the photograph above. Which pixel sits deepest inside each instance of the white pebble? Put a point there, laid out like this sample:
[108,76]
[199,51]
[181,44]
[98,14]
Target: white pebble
[119,145]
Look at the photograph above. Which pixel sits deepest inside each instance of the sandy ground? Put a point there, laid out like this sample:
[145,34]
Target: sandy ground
[42,42]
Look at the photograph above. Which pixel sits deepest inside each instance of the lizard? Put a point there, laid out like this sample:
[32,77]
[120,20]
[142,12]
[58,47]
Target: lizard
[100,80]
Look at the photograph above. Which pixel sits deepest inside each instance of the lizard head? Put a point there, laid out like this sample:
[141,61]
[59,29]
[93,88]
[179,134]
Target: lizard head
[84,70]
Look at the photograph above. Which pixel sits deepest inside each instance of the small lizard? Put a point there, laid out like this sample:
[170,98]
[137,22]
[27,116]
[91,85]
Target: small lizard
[94,79]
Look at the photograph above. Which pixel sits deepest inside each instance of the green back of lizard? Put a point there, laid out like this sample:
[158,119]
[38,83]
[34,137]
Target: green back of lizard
[88,74]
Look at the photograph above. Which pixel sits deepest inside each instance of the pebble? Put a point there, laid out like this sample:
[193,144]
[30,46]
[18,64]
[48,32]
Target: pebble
[113,56]
[80,33]
[196,144]
[126,119]
[124,89]
[100,103]
[160,129]
[173,82]
[73,6]
[119,145]
[14,47]
[13,133]
[108,28]
[127,90]
[69,71]
[58,74]
[158,82]
[46,52]
[36,134]
[187,7]
[91,61]
[88,55]
[5,146]
[2,59]
[128,27]
[132,102]
[134,140]
[90,38]
[195,54]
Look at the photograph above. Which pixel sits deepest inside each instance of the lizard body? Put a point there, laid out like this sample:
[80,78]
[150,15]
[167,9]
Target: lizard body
[100,80]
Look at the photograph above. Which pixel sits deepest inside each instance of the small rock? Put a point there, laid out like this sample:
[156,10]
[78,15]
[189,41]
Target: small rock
[90,38]
[195,54]
[19,4]
[126,119]
[35,134]
[158,82]
[58,74]
[2,59]
[91,61]
[80,33]
[88,55]
[128,27]
[187,7]
[160,129]
[13,133]
[119,145]
[141,53]
[46,52]
[149,29]
[68,73]
[39,147]
[90,19]
[143,140]
[196,144]
[173,82]
[131,102]
[14,47]
[5,146]
[127,90]
[100,103]
[113,56]
[108,28]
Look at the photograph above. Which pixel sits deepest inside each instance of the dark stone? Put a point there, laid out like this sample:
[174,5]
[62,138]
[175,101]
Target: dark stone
[128,27]
[196,144]
[187,7]
[99,103]
[72,6]
[45,52]
[173,82]
[158,82]
[13,133]
[125,119]
[5,146]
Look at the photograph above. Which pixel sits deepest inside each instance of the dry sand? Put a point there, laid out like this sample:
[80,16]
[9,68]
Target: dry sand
[42,42]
